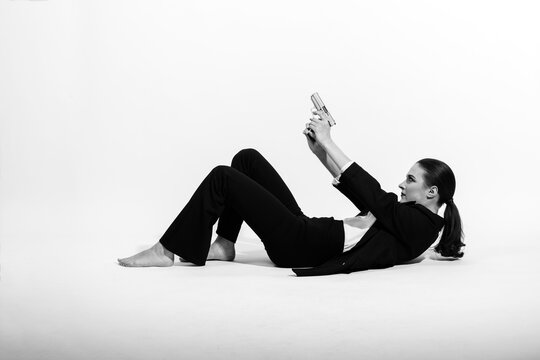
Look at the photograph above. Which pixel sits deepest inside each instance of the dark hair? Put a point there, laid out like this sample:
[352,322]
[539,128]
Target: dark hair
[437,173]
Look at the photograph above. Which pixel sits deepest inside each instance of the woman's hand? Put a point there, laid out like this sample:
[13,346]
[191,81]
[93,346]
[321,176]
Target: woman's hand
[314,146]
[319,127]
[318,137]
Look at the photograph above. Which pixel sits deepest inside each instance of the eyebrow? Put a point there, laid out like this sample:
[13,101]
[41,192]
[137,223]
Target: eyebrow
[411,176]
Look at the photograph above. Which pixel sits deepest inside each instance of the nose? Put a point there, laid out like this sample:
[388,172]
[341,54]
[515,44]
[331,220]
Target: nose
[401,186]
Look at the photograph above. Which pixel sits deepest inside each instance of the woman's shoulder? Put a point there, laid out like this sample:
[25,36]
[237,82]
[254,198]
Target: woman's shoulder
[422,212]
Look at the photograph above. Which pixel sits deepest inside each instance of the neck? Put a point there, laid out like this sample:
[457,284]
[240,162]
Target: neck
[434,209]
[432,206]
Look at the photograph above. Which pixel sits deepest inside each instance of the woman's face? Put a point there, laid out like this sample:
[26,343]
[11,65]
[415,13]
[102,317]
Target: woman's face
[414,188]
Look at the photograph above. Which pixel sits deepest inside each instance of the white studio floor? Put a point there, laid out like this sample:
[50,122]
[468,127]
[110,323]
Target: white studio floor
[79,304]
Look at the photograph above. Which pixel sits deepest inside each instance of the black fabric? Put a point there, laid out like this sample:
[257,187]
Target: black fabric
[251,190]
[402,231]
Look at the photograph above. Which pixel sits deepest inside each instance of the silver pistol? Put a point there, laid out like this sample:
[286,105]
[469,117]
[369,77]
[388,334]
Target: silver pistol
[319,105]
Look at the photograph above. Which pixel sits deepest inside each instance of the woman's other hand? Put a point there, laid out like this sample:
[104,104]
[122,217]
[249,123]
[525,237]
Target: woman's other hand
[319,126]
[313,145]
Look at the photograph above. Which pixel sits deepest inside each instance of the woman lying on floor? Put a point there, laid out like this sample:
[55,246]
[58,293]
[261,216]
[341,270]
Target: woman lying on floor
[386,232]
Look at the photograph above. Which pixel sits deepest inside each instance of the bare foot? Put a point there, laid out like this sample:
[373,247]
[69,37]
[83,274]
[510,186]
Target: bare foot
[221,249]
[157,255]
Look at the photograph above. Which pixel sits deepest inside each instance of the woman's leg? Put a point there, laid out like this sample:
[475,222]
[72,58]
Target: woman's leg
[254,165]
[251,163]
[252,191]
[225,187]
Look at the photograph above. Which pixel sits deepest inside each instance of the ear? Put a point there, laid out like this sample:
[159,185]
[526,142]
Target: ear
[432,192]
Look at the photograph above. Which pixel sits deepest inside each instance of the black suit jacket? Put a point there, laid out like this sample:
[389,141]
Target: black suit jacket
[402,232]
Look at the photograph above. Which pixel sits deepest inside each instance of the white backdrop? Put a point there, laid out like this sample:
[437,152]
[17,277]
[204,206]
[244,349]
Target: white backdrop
[112,112]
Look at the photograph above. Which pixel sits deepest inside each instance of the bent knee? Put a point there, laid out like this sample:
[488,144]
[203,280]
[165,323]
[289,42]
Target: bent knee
[247,153]
[221,168]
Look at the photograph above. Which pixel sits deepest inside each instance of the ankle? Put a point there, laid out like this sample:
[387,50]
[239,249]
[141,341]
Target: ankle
[224,242]
[221,249]
[163,250]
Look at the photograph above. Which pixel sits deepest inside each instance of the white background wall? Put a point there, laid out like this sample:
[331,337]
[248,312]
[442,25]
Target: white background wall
[112,112]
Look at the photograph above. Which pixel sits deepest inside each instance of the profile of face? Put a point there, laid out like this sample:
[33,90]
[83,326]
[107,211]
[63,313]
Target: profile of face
[414,188]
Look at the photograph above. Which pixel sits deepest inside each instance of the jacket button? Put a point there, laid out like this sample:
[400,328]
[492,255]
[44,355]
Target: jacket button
[342,264]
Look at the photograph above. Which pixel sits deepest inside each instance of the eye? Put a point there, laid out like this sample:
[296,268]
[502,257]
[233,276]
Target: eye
[409,179]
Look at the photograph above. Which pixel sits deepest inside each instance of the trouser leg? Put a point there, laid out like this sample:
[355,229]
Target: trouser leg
[189,235]
[251,163]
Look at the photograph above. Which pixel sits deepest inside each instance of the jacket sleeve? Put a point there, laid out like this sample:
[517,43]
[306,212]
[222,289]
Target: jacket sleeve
[366,194]
[345,191]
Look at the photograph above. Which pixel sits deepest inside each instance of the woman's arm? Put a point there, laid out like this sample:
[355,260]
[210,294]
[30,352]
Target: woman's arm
[321,144]
[322,155]
[327,161]
[334,154]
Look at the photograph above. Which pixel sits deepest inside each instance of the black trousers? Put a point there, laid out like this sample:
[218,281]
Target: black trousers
[251,190]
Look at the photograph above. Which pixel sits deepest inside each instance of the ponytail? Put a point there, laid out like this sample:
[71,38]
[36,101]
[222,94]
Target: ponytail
[439,174]
[450,243]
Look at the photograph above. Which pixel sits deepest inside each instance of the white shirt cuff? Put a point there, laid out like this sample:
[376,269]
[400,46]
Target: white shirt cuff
[336,179]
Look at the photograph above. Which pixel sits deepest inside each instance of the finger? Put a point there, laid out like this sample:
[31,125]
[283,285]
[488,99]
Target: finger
[313,110]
